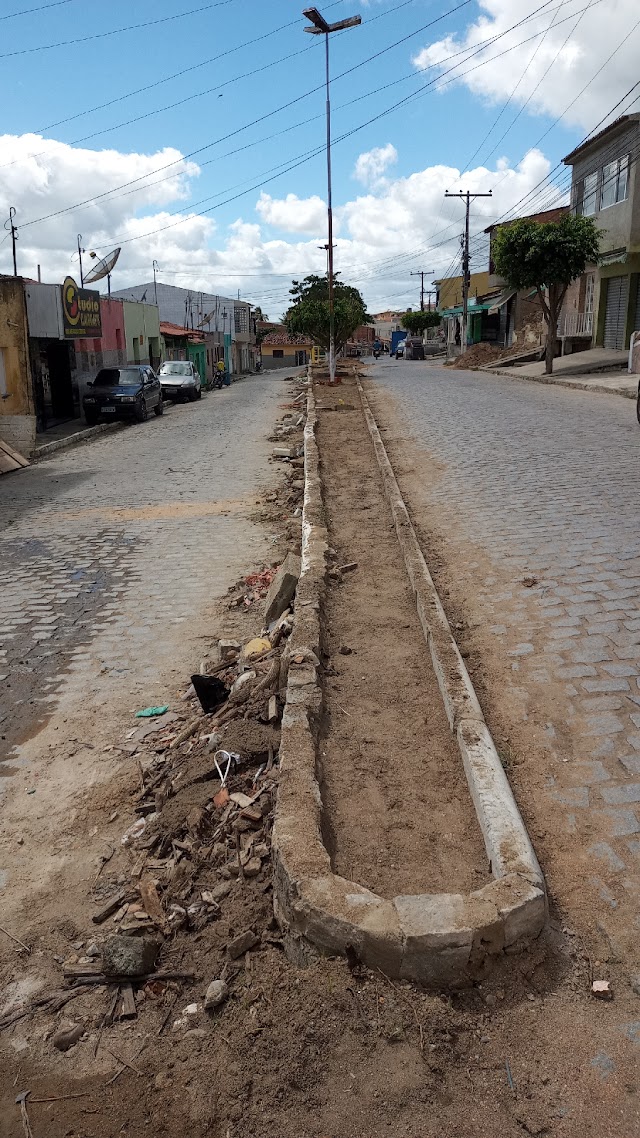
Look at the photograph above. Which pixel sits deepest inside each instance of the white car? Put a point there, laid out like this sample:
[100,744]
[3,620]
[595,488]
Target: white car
[180,380]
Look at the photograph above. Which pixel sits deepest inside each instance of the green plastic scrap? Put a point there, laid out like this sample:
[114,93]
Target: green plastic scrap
[149,712]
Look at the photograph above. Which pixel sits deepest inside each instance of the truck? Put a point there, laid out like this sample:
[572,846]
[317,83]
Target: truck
[397,337]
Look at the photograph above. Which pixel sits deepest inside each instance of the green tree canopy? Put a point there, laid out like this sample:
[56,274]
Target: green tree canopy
[309,311]
[416,322]
[546,256]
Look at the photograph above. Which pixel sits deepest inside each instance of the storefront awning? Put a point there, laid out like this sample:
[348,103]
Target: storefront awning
[500,302]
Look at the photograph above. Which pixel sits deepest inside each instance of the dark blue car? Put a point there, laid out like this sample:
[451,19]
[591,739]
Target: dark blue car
[128,392]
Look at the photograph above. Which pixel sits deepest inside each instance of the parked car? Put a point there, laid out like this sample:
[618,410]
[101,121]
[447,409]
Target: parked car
[180,380]
[123,393]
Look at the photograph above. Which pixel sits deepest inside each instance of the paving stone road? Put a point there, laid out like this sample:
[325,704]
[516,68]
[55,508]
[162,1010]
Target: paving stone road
[542,482]
[112,554]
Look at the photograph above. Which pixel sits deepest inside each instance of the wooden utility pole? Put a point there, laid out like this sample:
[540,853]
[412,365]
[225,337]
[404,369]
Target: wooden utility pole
[467,195]
[422,273]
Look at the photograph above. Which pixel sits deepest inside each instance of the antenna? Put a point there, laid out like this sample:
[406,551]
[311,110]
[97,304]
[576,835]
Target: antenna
[103,268]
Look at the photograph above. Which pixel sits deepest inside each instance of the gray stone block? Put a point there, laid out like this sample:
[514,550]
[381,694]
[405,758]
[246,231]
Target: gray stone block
[283,588]
[129,955]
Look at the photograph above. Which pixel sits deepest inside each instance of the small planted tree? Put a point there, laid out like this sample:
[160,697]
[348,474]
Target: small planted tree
[309,312]
[546,256]
[417,322]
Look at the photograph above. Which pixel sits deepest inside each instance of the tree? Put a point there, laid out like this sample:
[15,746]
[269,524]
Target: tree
[309,312]
[546,256]
[416,322]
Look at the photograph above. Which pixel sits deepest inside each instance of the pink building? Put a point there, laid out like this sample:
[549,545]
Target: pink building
[108,351]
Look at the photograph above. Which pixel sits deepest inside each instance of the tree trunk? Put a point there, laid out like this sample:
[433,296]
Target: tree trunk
[554,302]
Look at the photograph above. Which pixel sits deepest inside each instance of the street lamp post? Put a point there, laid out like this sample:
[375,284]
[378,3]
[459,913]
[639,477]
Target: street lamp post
[321,27]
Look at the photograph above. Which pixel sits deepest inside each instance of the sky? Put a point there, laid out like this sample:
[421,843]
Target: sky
[193,133]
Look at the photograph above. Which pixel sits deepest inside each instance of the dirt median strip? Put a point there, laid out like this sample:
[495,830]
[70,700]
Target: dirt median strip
[437,939]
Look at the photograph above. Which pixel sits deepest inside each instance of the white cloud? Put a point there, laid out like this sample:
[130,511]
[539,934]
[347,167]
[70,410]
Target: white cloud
[372,165]
[590,37]
[406,218]
[293,214]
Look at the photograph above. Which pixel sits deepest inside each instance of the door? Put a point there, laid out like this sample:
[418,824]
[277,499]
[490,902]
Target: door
[616,312]
[151,388]
[636,322]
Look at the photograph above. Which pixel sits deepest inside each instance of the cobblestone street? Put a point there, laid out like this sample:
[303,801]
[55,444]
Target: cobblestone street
[112,558]
[531,492]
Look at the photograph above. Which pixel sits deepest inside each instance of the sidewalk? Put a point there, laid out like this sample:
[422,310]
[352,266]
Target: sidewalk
[598,369]
[69,435]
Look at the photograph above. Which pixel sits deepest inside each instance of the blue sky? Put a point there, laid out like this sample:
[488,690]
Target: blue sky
[424,145]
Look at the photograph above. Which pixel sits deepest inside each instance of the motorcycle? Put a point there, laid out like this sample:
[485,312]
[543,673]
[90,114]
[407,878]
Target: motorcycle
[376,355]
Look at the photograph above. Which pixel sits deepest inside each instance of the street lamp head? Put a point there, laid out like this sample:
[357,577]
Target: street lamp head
[321,27]
[351,22]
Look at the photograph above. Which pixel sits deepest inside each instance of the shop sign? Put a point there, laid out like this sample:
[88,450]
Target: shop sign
[80,311]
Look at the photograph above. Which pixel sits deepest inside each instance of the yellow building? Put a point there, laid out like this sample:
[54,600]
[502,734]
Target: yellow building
[450,289]
[282,349]
[17,409]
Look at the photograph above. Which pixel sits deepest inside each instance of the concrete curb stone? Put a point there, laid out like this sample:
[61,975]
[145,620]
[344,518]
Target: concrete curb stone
[437,940]
[46,449]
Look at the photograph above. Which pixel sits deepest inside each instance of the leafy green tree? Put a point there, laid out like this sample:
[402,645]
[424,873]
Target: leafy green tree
[546,256]
[309,311]
[417,322]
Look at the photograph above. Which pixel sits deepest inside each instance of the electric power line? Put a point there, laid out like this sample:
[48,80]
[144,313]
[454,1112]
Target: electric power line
[117,31]
[292,102]
[30,11]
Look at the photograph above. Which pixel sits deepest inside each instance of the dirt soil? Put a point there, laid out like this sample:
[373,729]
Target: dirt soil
[480,354]
[322,1052]
[398,814]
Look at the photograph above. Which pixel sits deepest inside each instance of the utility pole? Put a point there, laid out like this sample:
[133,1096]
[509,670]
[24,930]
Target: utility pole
[422,273]
[10,227]
[430,292]
[467,195]
[155,286]
[80,252]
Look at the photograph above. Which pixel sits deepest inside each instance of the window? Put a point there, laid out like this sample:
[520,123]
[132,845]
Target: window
[615,177]
[590,195]
[278,354]
[241,318]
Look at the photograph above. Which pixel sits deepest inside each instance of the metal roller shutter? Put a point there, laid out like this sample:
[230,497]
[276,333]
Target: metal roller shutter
[636,322]
[616,312]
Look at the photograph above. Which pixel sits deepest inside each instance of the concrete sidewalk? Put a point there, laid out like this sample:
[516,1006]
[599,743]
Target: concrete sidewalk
[599,369]
[618,384]
[596,370]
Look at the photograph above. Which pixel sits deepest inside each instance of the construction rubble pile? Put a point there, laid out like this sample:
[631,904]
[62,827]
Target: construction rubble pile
[184,896]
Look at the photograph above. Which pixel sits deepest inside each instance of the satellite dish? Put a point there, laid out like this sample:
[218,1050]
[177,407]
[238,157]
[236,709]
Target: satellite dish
[103,267]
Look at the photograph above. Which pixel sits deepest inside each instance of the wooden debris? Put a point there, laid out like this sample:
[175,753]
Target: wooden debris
[16,939]
[152,903]
[128,1008]
[111,907]
[77,971]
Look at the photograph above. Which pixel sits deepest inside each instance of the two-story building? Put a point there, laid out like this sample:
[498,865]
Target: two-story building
[605,186]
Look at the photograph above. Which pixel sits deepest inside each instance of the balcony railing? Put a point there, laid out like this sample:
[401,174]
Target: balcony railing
[576,324]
